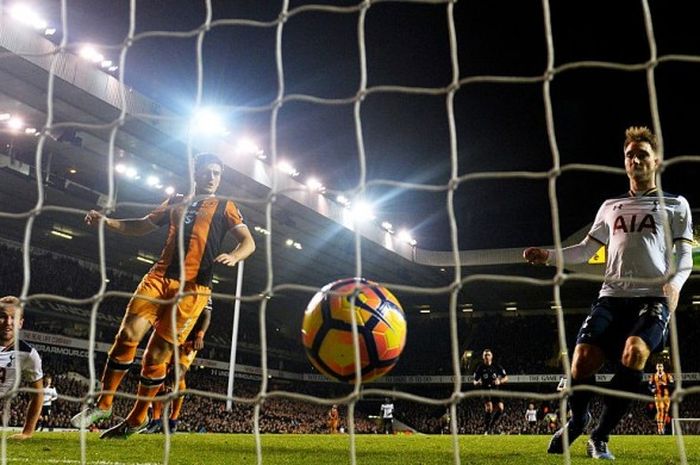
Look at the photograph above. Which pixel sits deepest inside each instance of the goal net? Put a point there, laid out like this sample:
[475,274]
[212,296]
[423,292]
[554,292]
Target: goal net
[381,100]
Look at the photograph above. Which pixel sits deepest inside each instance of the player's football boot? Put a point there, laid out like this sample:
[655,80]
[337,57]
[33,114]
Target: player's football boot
[89,416]
[599,450]
[155,426]
[556,444]
[172,425]
[123,430]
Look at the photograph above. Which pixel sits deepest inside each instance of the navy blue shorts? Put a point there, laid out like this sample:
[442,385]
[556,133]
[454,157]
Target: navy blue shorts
[614,319]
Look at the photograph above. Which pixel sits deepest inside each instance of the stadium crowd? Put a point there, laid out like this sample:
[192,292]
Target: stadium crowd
[206,411]
[55,274]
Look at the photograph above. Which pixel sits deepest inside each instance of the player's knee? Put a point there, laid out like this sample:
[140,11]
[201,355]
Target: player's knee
[635,354]
[153,373]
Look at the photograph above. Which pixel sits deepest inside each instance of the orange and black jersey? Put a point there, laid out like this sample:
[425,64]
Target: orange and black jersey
[206,223]
[661,384]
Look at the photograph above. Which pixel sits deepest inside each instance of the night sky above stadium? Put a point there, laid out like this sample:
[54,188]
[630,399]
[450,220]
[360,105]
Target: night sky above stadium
[499,127]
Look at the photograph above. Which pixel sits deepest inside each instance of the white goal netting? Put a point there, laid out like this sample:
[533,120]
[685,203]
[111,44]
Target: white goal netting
[120,114]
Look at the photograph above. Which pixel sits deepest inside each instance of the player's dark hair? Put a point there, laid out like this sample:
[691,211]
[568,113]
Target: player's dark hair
[641,134]
[206,158]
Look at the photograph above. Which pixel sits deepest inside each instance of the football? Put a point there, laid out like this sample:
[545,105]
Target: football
[327,329]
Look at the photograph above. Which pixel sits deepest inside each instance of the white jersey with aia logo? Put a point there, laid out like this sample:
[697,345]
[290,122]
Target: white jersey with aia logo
[633,229]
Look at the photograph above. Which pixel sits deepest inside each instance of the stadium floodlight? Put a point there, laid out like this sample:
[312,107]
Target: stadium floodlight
[120,168]
[30,131]
[113,68]
[289,242]
[145,259]
[61,234]
[362,211]
[5,116]
[49,31]
[511,308]
[262,231]
[152,181]
[170,190]
[388,227]
[91,54]
[297,246]
[424,310]
[315,185]
[287,168]
[344,201]
[207,122]
[72,171]
[15,123]
[105,63]
[247,146]
[131,172]
[405,236]
[25,15]
[215,280]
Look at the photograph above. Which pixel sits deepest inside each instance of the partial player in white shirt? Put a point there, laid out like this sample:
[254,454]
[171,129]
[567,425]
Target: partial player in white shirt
[387,411]
[648,235]
[50,396]
[27,358]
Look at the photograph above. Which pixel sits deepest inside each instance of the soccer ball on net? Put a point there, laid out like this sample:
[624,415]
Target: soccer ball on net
[327,329]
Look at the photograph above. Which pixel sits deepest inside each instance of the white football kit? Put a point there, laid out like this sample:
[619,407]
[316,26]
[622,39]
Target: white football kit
[29,360]
[634,230]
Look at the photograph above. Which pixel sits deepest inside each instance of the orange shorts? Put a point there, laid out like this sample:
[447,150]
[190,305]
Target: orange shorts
[187,354]
[187,309]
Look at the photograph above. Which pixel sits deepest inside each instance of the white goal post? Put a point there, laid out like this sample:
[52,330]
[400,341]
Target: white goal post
[685,426]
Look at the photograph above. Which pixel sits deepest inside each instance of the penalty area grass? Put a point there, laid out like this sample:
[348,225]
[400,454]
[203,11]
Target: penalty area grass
[57,448]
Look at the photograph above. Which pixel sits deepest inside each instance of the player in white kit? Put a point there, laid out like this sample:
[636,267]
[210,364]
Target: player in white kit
[27,359]
[641,230]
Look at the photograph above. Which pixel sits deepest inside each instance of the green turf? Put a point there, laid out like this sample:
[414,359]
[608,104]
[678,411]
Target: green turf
[214,449]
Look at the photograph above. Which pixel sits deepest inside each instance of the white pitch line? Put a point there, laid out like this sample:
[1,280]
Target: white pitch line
[98,462]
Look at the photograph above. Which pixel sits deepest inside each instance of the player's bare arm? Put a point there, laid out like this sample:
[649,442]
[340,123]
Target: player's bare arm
[33,411]
[204,321]
[245,247]
[128,227]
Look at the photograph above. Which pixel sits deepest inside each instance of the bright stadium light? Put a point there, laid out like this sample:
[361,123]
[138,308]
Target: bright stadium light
[170,190]
[113,68]
[152,181]
[405,236]
[247,146]
[363,210]
[91,54]
[145,259]
[287,168]
[205,121]
[15,123]
[105,63]
[315,185]
[5,116]
[344,201]
[120,168]
[289,242]
[131,172]
[30,131]
[49,31]
[61,234]
[25,15]
[388,227]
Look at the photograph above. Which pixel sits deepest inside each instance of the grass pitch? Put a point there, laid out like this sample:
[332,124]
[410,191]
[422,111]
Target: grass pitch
[279,449]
